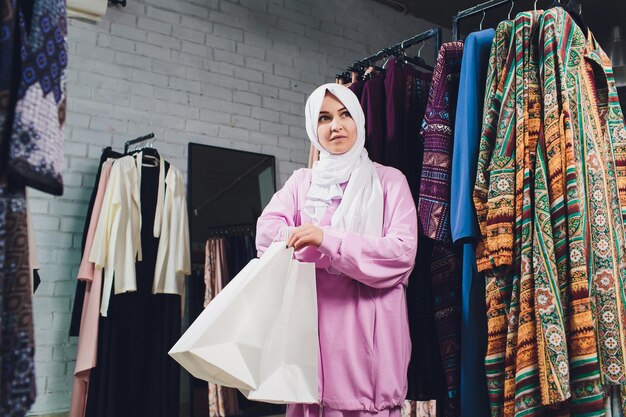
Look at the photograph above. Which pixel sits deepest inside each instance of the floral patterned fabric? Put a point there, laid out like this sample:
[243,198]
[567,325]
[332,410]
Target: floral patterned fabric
[17,375]
[36,137]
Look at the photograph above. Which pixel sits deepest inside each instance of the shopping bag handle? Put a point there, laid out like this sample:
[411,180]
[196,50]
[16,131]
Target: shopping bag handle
[283,234]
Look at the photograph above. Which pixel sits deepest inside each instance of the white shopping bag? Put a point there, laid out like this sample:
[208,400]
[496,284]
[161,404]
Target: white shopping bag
[259,334]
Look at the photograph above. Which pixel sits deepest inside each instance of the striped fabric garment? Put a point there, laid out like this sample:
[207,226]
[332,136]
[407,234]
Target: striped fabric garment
[437,132]
[598,133]
[434,216]
[497,285]
[518,141]
[552,158]
[559,186]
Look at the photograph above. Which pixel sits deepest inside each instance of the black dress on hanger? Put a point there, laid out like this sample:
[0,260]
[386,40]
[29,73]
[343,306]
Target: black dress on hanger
[134,375]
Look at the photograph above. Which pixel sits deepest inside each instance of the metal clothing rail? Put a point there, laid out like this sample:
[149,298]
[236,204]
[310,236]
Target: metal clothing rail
[479,8]
[137,140]
[363,64]
[231,229]
[573,7]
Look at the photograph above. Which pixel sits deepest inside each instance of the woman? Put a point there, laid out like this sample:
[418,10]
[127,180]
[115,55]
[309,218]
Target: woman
[357,222]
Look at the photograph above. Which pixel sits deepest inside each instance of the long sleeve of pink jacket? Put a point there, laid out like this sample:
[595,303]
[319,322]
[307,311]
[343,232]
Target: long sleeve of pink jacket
[379,262]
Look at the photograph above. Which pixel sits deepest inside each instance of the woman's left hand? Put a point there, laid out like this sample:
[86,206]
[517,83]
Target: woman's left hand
[306,235]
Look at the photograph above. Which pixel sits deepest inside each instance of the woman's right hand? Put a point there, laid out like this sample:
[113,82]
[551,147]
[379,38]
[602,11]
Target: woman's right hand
[305,235]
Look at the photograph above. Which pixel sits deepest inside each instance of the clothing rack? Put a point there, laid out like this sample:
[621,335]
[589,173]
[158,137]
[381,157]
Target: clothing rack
[396,49]
[483,7]
[232,228]
[480,8]
[137,140]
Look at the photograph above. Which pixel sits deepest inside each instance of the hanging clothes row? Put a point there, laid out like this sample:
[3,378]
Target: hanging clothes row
[549,197]
[542,167]
[33,57]
[135,257]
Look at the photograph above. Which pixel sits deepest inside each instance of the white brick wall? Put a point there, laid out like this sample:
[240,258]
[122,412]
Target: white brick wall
[231,73]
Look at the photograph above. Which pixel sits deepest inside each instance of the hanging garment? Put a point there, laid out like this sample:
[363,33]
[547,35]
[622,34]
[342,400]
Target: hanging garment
[173,256]
[134,374]
[117,243]
[357,87]
[8,72]
[497,301]
[79,294]
[425,376]
[231,396]
[509,225]
[213,285]
[373,103]
[556,160]
[403,121]
[463,227]
[36,137]
[3,227]
[237,258]
[597,126]
[17,375]
[197,397]
[434,216]
[522,394]
[90,311]
[500,62]
[438,136]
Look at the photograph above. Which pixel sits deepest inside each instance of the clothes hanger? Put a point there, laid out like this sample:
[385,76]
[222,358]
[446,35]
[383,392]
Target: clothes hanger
[421,61]
[402,56]
[386,62]
[403,52]
[480,27]
[511,9]
[150,155]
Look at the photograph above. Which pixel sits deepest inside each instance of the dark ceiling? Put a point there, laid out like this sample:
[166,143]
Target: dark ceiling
[600,15]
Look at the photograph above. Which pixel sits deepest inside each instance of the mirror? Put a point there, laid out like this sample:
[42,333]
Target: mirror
[227,191]
[227,188]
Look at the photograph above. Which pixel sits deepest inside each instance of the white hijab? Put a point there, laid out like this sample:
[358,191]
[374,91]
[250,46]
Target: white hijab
[361,207]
